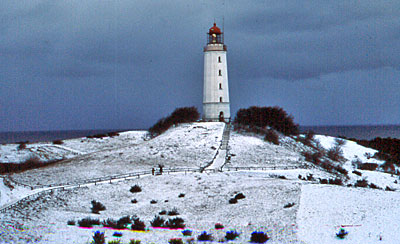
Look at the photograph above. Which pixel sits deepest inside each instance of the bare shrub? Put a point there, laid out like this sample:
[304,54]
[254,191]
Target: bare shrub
[219,226]
[204,236]
[138,224]
[259,237]
[99,238]
[135,189]
[361,183]
[274,117]
[175,223]
[58,142]
[158,222]
[335,153]
[97,207]
[289,205]
[368,166]
[340,142]
[22,146]
[272,137]
[231,235]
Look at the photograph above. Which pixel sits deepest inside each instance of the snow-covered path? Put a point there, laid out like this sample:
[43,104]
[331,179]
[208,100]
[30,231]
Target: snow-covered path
[220,159]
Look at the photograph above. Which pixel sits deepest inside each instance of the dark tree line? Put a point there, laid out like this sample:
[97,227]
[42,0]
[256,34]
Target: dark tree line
[274,117]
[389,148]
[180,115]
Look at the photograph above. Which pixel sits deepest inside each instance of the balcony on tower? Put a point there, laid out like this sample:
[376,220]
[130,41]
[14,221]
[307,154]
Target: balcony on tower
[215,39]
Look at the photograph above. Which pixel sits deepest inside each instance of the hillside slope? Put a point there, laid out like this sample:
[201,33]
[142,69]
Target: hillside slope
[188,145]
[316,214]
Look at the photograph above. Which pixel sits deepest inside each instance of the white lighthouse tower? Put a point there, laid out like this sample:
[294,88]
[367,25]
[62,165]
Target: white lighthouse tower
[216,105]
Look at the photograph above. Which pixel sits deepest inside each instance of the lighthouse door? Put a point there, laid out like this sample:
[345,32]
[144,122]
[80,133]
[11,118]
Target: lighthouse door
[221,117]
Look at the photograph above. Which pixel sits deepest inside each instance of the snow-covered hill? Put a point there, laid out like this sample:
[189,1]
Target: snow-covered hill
[318,211]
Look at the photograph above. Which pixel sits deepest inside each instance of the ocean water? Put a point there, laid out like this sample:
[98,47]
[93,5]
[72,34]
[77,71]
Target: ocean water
[367,132]
[43,136]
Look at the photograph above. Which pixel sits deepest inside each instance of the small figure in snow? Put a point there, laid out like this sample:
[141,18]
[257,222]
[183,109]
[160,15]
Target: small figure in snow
[152,171]
[342,233]
[161,168]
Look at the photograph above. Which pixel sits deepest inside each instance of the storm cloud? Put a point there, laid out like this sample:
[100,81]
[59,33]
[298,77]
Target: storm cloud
[125,64]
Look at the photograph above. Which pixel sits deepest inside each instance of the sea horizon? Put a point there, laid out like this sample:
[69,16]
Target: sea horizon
[361,132]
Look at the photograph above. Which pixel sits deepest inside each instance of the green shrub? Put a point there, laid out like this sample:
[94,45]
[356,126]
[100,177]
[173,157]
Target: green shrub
[133,241]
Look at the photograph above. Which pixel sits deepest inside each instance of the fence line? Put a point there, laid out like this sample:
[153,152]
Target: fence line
[95,181]
[264,168]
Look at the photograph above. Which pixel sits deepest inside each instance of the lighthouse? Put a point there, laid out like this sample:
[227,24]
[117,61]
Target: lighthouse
[216,105]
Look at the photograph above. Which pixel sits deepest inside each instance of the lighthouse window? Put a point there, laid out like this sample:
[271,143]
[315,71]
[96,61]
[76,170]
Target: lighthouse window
[220,73]
[219,59]
[220,86]
[220,99]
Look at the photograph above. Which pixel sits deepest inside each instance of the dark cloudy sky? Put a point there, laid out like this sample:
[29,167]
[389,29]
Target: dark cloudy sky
[125,64]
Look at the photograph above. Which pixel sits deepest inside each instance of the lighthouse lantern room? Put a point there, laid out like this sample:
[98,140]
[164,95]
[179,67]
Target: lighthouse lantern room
[216,105]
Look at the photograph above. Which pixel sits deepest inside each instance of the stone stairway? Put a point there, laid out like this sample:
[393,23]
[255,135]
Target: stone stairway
[221,158]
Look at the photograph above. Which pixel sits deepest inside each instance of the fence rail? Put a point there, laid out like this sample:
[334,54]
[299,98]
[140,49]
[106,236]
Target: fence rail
[106,179]
[230,168]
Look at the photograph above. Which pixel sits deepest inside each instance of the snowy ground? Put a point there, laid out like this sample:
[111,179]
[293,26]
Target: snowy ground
[367,214]
[205,204]
[9,153]
[254,151]
[188,145]
[317,214]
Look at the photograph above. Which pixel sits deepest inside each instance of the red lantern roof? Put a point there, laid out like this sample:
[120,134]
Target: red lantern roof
[215,30]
